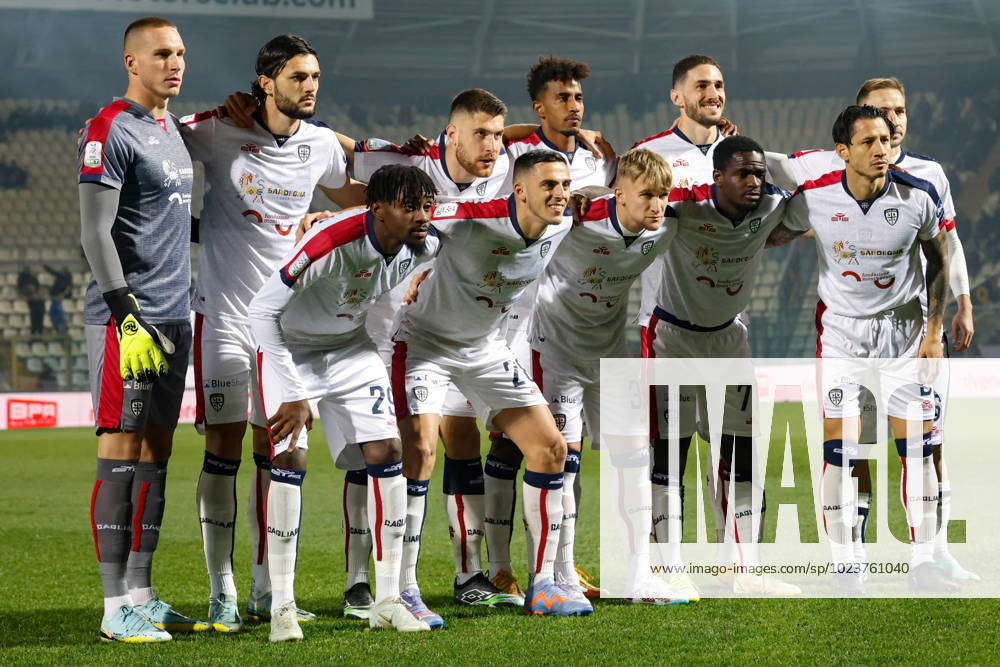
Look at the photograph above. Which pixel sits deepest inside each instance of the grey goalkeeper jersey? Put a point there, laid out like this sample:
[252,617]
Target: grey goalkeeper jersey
[146,161]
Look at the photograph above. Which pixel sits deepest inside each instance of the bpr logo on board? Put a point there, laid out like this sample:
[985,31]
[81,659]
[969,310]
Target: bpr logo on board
[24,413]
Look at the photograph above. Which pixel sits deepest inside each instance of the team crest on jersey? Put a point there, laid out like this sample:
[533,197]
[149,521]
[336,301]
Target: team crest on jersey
[420,393]
[560,421]
[591,164]
[481,189]
[755,225]
[216,400]
[543,249]
[136,405]
[646,247]
[845,253]
[891,215]
[835,395]
[404,266]
[304,152]
[92,154]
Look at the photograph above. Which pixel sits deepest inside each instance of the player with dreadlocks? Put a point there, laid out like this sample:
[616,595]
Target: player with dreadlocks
[309,320]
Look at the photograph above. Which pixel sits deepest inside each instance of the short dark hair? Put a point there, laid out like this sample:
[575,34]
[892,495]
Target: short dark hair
[879,83]
[146,22]
[688,63]
[729,146]
[273,56]
[475,100]
[554,69]
[528,160]
[396,183]
[843,127]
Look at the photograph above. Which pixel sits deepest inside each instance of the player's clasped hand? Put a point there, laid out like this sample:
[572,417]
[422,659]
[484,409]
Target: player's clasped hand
[289,420]
[142,349]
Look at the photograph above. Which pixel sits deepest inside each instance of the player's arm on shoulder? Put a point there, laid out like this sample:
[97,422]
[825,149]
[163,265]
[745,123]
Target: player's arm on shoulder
[779,168]
[240,107]
[347,145]
[349,195]
[781,235]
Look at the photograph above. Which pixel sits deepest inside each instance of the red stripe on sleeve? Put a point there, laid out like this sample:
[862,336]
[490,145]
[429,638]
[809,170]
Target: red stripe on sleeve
[695,193]
[801,153]
[200,116]
[488,209]
[598,209]
[821,182]
[98,131]
[655,136]
[326,241]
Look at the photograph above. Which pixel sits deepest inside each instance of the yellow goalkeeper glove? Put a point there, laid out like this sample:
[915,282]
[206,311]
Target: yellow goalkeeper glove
[142,349]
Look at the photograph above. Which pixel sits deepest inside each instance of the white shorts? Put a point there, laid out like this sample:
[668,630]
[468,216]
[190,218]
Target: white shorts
[573,389]
[672,341]
[355,401]
[893,336]
[225,372]
[488,375]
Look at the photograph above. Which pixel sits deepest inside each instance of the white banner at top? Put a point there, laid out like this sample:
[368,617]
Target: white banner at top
[317,9]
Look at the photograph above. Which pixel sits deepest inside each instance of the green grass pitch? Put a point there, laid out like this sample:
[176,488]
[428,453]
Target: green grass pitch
[50,593]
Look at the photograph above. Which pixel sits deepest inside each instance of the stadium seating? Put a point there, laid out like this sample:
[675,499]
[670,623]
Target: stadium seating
[41,220]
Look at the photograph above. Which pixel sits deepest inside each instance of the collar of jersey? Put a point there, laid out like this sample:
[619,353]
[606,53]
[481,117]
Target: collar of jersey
[279,139]
[866,204]
[613,216]
[553,147]
[512,213]
[677,131]
[370,231]
[138,110]
[444,163]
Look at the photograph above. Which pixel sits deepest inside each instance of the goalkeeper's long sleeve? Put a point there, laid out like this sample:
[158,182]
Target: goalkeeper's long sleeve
[98,209]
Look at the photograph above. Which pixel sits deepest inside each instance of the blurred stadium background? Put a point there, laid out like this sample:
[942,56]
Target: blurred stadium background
[790,66]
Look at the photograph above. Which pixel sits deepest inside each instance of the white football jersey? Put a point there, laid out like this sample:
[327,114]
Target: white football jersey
[319,296]
[371,154]
[711,267]
[869,255]
[485,264]
[257,191]
[691,165]
[583,294]
[585,169]
[810,165]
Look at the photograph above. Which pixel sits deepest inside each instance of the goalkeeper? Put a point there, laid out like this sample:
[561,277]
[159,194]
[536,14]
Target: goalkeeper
[135,195]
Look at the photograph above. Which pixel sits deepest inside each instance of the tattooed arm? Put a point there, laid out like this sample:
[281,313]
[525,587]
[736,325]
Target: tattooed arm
[936,280]
[781,235]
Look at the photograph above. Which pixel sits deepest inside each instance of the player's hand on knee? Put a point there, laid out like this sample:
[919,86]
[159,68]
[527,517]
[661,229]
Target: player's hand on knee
[240,108]
[289,420]
[306,223]
[418,144]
